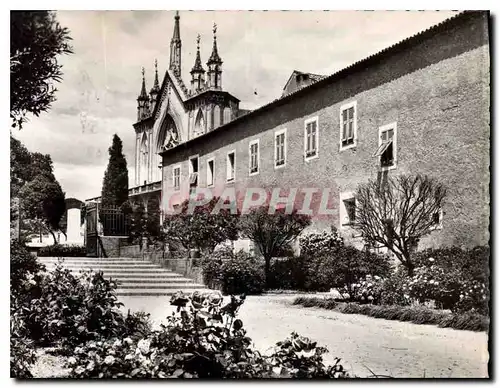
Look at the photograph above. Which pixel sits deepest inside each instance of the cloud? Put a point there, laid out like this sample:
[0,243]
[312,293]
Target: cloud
[102,79]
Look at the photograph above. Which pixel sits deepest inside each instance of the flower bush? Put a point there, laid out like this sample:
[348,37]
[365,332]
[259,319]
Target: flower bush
[202,339]
[320,243]
[23,266]
[60,308]
[366,290]
[233,273]
[22,351]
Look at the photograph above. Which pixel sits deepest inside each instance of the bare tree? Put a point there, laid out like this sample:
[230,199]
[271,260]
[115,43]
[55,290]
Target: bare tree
[398,213]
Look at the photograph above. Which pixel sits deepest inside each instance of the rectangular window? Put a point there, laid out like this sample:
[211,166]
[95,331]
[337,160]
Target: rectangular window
[254,157]
[311,138]
[348,125]
[230,166]
[387,146]
[210,172]
[280,148]
[193,171]
[347,209]
[176,177]
[437,220]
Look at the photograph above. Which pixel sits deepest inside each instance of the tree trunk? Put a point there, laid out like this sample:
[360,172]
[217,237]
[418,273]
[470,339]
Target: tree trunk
[410,267]
[267,271]
[53,236]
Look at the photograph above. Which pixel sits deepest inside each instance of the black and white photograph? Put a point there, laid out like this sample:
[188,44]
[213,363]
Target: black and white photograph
[224,194]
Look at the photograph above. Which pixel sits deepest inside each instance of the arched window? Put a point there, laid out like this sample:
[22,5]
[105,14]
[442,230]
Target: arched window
[216,116]
[199,124]
[227,115]
[143,161]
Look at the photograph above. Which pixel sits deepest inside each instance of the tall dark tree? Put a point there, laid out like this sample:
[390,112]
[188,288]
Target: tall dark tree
[153,221]
[20,162]
[115,183]
[36,41]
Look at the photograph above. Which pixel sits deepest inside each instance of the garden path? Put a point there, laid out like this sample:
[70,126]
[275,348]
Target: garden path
[394,348]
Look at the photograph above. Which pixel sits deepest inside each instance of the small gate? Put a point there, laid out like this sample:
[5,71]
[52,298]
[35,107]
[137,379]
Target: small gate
[91,233]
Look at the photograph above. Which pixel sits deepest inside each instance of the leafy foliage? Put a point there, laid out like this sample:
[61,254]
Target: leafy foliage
[200,228]
[397,213]
[63,251]
[203,339]
[115,182]
[23,266]
[61,308]
[320,243]
[42,200]
[153,220]
[233,273]
[36,40]
[22,351]
[271,232]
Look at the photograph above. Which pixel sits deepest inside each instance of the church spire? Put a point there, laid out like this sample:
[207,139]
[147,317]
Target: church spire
[175,47]
[214,58]
[156,84]
[143,96]
[142,100]
[197,72]
[214,65]
[155,90]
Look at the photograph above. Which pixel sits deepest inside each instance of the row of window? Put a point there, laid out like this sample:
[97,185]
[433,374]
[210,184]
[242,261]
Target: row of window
[386,151]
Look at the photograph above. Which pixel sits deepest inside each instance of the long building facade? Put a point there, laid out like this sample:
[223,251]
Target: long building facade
[421,106]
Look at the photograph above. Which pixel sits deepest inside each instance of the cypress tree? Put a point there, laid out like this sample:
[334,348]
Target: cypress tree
[115,182]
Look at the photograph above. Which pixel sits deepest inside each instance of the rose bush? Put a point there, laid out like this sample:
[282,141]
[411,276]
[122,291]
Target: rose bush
[234,273]
[202,339]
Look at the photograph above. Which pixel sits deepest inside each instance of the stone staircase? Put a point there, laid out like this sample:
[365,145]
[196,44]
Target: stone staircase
[135,277]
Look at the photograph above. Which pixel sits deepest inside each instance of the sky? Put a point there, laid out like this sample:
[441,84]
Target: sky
[102,78]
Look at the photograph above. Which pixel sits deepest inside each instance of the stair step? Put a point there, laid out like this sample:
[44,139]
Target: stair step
[111,266]
[149,292]
[84,258]
[152,281]
[103,262]
[161,286]
[121,270]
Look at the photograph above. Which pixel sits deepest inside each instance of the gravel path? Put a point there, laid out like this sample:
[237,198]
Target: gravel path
[394,348]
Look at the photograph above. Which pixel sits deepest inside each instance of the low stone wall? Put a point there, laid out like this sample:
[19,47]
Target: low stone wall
[110,246]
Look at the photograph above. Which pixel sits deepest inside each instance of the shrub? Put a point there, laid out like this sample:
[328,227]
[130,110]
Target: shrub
[415,314]
[23,266]
[320,243]
[22,352]
[59,250]
[71,310]
[289,274]
[344,267]
[454,278]
[203,339]
[233,273]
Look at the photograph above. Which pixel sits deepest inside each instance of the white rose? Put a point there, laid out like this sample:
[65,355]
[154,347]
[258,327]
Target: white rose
[109,360]
[128,341]
[143,345]
[129,357]
[117,343]
[72,360]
